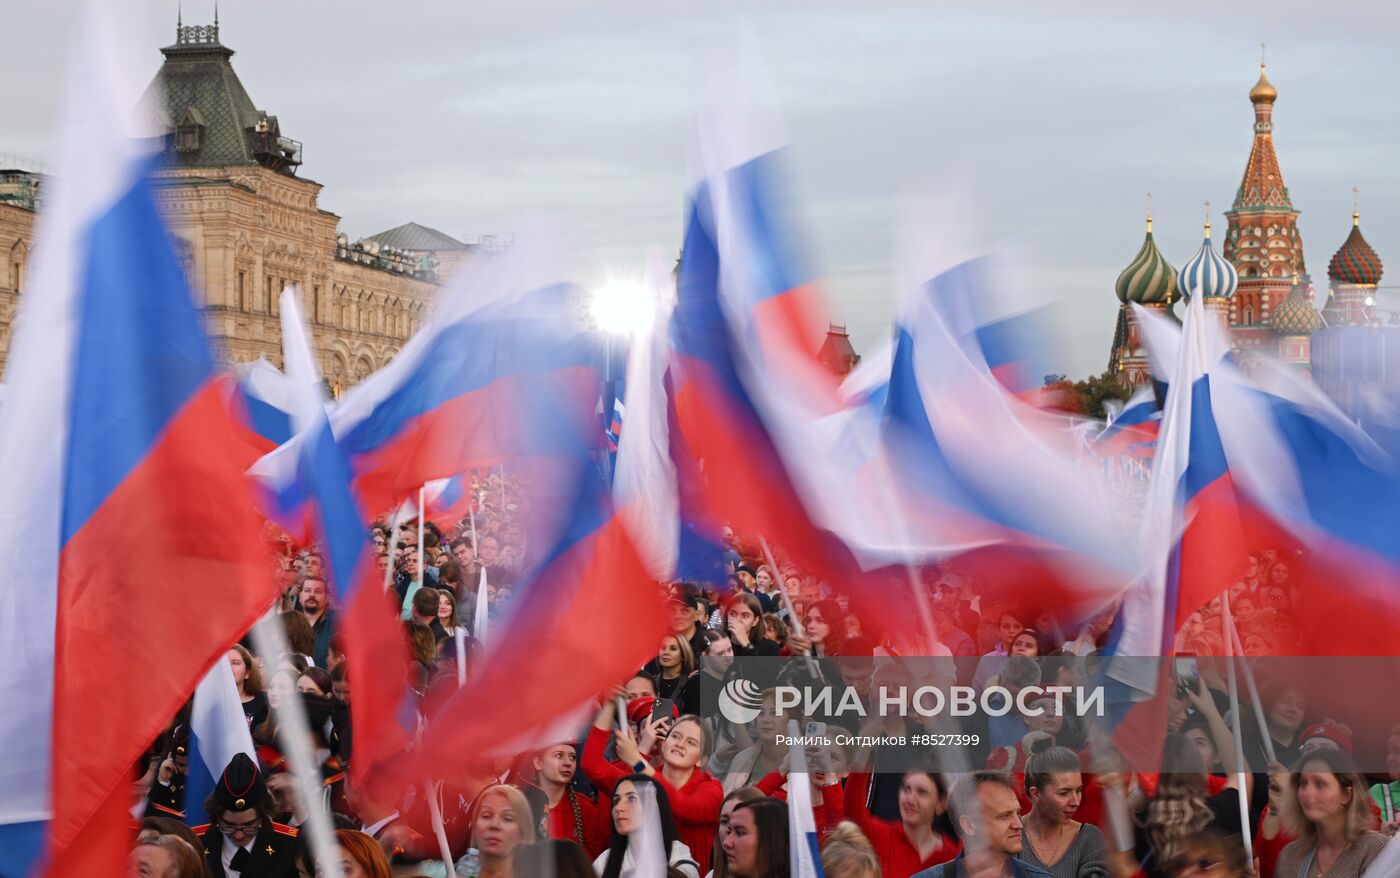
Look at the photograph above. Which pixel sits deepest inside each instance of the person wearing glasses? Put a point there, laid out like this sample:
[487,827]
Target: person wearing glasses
[241,840]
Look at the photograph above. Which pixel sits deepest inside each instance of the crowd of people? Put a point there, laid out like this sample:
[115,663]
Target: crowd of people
[1045,796]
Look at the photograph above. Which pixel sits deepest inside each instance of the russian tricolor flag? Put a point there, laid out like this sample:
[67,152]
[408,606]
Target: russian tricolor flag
[1133,430]
[130,547]
[218,731]
[583,618]
[374,646]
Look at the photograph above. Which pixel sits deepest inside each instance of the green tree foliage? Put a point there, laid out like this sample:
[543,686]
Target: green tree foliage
[1087,397]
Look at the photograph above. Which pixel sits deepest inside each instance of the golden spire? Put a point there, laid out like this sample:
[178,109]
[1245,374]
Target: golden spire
[1149,213]
[1355,208]
[1207,220]
[1263,91]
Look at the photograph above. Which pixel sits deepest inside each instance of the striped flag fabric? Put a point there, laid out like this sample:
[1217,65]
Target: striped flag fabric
[125,503]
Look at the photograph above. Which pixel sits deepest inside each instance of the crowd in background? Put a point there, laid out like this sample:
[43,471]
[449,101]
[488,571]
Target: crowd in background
[1046,795]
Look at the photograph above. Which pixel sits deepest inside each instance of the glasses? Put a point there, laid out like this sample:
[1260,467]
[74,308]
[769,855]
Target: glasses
[237,828]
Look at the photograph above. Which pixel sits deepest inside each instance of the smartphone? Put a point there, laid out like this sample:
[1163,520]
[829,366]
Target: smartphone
[663,707]
[815,730]
[1186,673]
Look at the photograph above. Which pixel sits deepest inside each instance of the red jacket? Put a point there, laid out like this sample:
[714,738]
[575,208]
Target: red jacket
[694,807]
[898,858]
[597,824]
[831,810]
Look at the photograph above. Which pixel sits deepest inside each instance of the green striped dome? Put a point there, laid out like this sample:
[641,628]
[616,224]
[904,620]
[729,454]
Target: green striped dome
[1148,279]
[1295,316]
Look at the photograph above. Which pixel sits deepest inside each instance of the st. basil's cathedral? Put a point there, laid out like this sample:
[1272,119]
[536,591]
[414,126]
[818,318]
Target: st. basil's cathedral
[1256,284]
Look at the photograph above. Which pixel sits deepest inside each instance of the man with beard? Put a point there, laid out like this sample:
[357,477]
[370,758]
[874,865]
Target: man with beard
[315,606]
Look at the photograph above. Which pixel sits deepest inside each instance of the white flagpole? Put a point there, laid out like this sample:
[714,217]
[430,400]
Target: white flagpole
[433,790]
[294,735]
[389,542]
[422,562]
[460,638]
[1253,689]
[797,625]
[481,619]
[1239,732]
[471,508]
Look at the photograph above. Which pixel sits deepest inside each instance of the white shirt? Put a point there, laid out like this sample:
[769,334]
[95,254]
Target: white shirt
[230,848]
[680,858]
[373,829]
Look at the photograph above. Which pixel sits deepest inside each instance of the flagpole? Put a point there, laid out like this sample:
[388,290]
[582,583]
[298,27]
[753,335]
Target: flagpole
[1240,778]
[293,733]
[798,628]
[1253,687]
[433,789]
[503,492]
[471,507]
[389,544]
[422,562]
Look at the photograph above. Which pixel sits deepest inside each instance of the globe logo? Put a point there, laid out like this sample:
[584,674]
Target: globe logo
[739,701]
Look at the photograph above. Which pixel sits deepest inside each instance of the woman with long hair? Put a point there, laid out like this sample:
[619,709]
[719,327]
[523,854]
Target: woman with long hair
[628,814]
[1051,838]
[250,686]
[922,836]
[501,825]
[720,866]
[694,795]
[757,846]
[447,611]
[675,661]
[1181,807]
[743,623]
[1327,811]
[361,856]
[570,816]
[825,625]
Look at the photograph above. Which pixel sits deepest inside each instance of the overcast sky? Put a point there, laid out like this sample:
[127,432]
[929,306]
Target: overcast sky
[1057,117]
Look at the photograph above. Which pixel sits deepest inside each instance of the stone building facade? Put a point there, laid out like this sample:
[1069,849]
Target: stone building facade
[246,225]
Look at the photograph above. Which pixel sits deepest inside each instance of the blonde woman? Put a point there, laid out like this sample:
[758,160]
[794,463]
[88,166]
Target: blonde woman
[849,854]
[1326,809]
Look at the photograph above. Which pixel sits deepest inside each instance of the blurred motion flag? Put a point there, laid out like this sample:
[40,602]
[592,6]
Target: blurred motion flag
[132,550]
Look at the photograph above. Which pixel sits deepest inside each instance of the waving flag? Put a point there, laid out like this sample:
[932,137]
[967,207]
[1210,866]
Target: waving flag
[218,731]
[588,607]
[374,647]
[1315,487]
[268,398]
[486,380]
[981,465]
[124,506]
[1133,431]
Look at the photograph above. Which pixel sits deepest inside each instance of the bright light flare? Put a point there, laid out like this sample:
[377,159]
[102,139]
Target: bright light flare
[623,307]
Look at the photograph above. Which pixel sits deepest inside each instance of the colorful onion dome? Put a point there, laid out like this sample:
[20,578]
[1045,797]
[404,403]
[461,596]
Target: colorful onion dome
[1295,316]
[1263,91]
[1148,279]
[1209,271]
[1355,262]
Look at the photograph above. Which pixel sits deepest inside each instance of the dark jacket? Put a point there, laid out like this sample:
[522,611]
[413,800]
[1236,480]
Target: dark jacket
[956,868]
[273,854]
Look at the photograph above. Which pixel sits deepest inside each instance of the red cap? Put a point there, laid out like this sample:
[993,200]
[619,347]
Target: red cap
[639,709]
[1334,732]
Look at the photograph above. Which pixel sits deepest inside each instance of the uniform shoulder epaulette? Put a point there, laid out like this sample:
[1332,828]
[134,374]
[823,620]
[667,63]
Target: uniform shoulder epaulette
[283,829]
[179,815]
[333,779]
[200,829]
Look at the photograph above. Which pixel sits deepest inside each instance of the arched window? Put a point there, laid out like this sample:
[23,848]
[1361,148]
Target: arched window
[18,256]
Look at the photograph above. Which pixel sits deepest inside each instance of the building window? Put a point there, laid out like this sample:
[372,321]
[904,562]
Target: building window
[18,274]
[267,295]
[242,294]
[315,303]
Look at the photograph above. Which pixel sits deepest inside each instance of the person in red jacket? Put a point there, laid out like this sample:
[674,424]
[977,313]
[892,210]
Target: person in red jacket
[912,843]
[695,796]
[572,817]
